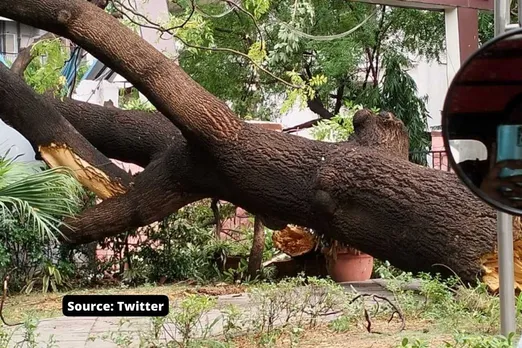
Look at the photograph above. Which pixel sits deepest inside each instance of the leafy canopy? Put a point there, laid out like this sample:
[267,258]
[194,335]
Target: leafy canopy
[320,49]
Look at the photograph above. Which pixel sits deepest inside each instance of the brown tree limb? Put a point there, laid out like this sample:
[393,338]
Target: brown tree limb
[130,136]
[376,298]
[304,125]
[317,106]
[55,139]
[189,106]
[217,217]
[154,195]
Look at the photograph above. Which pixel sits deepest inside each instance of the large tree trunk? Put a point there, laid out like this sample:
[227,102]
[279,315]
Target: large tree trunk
[363,192]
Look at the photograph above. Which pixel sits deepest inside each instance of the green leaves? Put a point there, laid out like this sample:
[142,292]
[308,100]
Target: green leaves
[338,128]
[37,197]
[257,7]
[356,61]
[44,72]
[318,80]
[399,95]
[257,52]
[195,31]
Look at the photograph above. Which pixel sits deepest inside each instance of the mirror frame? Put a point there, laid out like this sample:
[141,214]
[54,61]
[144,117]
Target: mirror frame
[445,131]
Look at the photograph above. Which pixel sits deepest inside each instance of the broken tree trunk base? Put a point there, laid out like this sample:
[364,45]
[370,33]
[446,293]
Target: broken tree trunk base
[299,241]
[294,240]
[490,261]
[92,178]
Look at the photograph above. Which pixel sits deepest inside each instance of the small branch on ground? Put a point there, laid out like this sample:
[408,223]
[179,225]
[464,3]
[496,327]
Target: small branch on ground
[376,298]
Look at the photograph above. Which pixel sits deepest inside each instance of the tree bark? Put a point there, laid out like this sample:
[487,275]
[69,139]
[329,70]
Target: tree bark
[362,192]
[255,259]
[55,139]
[126,135]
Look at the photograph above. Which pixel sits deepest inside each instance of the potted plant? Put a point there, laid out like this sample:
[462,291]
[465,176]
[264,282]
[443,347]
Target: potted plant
[345,263]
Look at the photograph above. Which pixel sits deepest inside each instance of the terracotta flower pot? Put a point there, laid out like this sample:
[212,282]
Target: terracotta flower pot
[349,267]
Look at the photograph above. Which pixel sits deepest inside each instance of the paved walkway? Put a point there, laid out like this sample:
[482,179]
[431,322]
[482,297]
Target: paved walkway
[78,332]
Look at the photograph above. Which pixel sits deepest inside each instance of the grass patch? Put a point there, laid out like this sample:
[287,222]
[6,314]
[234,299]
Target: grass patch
[290,313]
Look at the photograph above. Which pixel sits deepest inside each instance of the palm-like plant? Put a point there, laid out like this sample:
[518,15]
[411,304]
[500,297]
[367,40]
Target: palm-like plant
[30,194]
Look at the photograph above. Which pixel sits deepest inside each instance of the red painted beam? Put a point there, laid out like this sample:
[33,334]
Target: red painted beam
[468,32]
[435,4]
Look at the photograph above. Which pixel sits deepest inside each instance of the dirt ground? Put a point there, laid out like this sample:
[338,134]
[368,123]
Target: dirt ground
[358,337]
[49,305]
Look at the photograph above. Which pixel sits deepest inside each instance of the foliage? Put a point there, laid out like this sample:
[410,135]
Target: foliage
[184,246]
[399,94]
[44,73]
[33,196]
[291,39]
[50,277]
[188,319]
[33,201]
[30,336]
[180,247]
[138,104]
[461,340]
[486,27]
[446,301]
[276,310]
[337,128]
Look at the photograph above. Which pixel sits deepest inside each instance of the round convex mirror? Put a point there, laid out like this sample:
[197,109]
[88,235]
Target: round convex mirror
[482,123]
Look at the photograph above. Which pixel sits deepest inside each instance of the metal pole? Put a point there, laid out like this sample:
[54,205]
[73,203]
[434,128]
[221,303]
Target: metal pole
[519,13]
[505,221]
[501,13]
[506,273]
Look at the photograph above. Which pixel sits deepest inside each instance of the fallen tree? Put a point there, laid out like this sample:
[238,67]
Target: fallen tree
[363,192]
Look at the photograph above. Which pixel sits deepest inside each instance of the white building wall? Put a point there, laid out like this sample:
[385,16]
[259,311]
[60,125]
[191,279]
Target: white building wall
[432,81]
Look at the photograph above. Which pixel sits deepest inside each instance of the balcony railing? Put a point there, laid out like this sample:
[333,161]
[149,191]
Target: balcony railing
[437,159]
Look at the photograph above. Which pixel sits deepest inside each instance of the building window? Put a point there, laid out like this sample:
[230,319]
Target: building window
[8,40]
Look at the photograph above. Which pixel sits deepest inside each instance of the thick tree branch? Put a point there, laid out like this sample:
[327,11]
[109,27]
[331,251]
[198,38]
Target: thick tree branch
[130,136]
[317,106]
[339,98]
[157,192]
[55,139]
[194,110]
